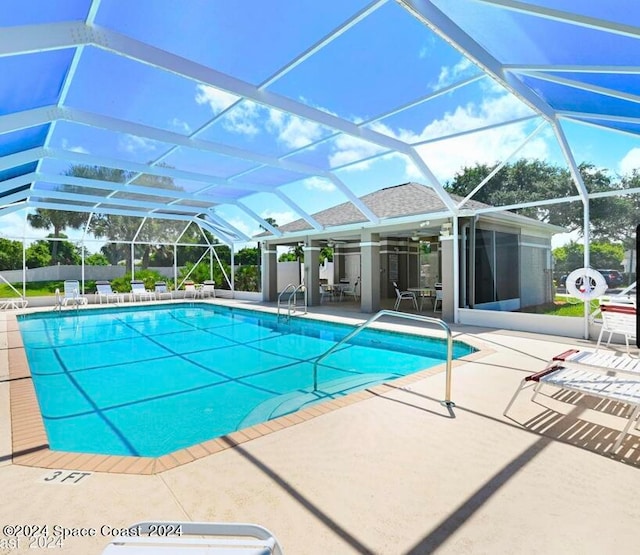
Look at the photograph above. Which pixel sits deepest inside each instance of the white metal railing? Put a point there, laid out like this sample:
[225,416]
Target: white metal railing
[447,400]
[292,303]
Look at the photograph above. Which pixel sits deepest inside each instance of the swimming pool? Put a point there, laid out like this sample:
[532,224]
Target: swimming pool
[147,381]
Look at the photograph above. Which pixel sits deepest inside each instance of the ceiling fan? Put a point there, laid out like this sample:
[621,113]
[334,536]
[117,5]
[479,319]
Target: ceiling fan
[333,242]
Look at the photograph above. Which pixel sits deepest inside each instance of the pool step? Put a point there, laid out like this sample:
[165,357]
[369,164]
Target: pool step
[292,402]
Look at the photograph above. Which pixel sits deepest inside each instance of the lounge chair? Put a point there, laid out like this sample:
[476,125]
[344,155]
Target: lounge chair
[139,292]
[618,318]
[404,296]
[72,293]
[606,375]
[106,293]
[196,537]
[162,291]
[208,289]
[190,290]
[13,303]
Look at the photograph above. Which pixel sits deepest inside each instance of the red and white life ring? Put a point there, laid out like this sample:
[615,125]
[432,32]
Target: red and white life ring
[591,288]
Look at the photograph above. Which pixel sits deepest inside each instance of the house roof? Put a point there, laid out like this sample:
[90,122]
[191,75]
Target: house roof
[407,199]
[398,201]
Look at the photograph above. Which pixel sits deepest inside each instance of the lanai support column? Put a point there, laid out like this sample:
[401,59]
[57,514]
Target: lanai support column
[447,278]
[370,272]
[312,272]
[269,272]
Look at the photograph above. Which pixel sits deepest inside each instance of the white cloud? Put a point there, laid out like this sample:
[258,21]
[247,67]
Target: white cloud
[244,119]
[132,143]
[451,74]
[630,162]
[217,99]
[281,218]
[12,225]
[446,157]
[293,131]
[80,149]
[349,149]
[180,125]
[319,184]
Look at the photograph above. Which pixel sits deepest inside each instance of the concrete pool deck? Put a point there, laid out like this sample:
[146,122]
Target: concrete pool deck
[393,472]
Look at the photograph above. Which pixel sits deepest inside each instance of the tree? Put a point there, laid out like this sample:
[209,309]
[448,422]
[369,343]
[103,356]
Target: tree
[602,255]
[38,255]
[151,232]
[531,181]
[96,259]
[59,220]
[10,254]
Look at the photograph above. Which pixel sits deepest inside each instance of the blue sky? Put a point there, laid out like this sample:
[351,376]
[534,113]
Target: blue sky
[384,61]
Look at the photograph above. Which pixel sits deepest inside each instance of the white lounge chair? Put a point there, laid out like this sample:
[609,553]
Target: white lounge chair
[162,290]
[618,318]
[194,538]
[140,292]
[404,296]
[72,293]
[605,375]
[208,289]
[13,303]
[190,290]
[104,292]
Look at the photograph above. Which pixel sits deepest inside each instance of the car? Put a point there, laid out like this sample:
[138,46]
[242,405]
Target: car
[613,277]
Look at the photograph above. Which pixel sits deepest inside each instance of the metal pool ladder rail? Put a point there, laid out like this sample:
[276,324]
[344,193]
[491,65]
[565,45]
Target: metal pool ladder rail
[292,290]
[447,399]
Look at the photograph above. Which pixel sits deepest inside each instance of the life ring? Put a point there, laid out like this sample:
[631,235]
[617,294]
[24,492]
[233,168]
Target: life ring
[576,287]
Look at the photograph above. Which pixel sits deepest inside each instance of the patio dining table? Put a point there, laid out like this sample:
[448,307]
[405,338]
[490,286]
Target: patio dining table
[423,293]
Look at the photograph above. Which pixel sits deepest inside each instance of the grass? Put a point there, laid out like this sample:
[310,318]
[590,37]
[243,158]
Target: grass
[562,306]
[40,288]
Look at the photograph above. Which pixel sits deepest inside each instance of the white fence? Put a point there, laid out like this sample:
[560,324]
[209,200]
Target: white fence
[62,272]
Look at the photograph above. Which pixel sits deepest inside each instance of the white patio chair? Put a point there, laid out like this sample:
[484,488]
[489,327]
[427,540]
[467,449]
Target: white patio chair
[404,296]
[72,293]
[161,290]
[351,290]
[194,538]
[618,318]
[105,292]
[437,300]
[140,293]
[190,290]
[208,289]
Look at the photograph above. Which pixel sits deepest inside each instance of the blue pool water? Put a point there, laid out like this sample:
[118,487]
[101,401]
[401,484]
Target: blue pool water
[147,381]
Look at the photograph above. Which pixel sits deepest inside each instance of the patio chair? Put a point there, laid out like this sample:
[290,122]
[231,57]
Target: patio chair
[208,289]
[72,293]
[105,292]
[13,303]
[618,318]
[325,292]
[350,290]
[161,290]
[190,290]
[140,292]
[437,300]
[196,538]
[606,375]
[404,296]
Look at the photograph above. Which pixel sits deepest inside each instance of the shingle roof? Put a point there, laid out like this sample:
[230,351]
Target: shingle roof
[397,201]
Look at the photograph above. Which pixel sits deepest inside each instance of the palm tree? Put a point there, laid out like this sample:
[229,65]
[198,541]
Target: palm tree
[59,220]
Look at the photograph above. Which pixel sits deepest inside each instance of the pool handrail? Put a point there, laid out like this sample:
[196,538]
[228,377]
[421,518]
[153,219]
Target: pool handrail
[293,295]
[429,319]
